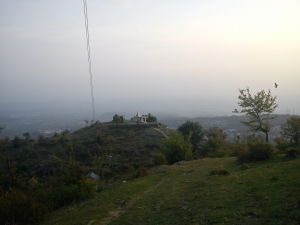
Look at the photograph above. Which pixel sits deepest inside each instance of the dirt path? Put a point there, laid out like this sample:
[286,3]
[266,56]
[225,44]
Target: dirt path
[115,213]
[161,132]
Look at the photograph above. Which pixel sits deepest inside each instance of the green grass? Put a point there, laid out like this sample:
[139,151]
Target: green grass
[185,193]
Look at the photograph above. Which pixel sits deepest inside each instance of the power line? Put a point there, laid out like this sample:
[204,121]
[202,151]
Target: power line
[88,48]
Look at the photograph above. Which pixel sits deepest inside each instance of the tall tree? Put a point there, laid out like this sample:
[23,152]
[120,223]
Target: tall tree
[258,108]
[151,118]
[216,138]
[291,130]
[1,128]
[192,131]
[118,119]
[26,135]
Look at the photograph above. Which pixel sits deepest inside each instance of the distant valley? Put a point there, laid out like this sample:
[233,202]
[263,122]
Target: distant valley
[47,124]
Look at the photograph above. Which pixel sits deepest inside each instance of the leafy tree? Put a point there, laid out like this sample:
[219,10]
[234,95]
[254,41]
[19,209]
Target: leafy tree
[66,132]
[159,158]
[4,143]
[216,138]
[151,118]
[100,139]
[19,207]
[87,122]
[192,131]
[216,135]
[177,148]
[41,140]
[118,119]
[16,142]
[258,108]
[8,175]
[26,135]
[103,160]
[72,173]
[291,130]
[256,151]
[66,141]
[1,128]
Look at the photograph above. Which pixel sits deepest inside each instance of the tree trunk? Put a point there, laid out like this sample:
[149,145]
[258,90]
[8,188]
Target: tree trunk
[267,137]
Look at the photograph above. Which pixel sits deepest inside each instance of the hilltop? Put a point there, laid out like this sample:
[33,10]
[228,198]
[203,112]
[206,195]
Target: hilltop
[124,142]
[125,146]
[188,193]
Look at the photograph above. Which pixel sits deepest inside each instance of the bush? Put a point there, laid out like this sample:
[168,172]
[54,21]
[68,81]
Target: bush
[17,207]
[59,195]
[176,148]
[256,152]
[141,172]
[227,150]
[292,152]
[159,159]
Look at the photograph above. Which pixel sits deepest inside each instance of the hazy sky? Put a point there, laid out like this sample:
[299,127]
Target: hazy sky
[189,56]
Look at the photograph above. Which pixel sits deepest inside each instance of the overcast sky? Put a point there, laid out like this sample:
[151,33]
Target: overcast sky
[189,56]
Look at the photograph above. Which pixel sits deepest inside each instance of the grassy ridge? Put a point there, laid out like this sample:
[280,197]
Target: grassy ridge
[186,193]
[127,143]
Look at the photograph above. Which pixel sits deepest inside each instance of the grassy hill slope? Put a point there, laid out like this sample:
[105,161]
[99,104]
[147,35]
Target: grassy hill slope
[186,193]
[126,143]
[126,146]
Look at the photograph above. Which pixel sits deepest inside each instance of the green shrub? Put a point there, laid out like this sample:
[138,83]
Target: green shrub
[228,150]
[176,148]
[281,144]
[141,172]
[256,152]
[235,148]
[17,207]
[159,159]
[292,152]
[59,195]
[222,153]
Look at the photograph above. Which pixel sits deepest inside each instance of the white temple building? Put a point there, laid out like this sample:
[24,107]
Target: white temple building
[140,118]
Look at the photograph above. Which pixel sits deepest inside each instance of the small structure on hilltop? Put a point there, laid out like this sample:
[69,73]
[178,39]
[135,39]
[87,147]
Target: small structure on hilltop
[140,118]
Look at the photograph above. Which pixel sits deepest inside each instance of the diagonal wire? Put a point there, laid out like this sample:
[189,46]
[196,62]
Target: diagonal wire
[88,48]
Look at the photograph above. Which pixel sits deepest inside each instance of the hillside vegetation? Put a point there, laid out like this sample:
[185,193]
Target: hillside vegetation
[105,173]
[206,191]
[125,143]
[124,146]
[40,175]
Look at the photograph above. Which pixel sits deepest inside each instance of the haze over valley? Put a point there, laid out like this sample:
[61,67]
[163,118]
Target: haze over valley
[143,112]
